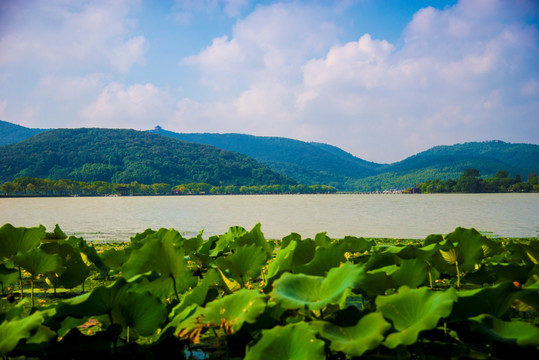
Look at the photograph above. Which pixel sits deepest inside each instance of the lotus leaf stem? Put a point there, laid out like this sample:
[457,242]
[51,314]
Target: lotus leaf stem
[21,283]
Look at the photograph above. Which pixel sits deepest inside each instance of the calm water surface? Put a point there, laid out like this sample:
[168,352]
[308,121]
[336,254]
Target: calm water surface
[402,216]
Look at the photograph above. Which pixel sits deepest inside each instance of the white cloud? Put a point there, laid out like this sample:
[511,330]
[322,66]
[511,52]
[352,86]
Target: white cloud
[53,36]
[69,88]
[132,106]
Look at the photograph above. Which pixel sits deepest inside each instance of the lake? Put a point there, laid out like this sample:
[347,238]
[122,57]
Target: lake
[400,216]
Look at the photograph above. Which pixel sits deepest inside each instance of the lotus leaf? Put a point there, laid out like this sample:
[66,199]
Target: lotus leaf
[88,254]
[101,300]
[283,262]
[469,249]
[226,241]
[14,330]
[356,244]
[414,310]
[381,259]
[291,342]
[14,240]
[7,276]
[412,273]
[322,240]
[171,265]
[305,251]
[255,236]
[245,263]
[140,314]
[57,234]
[524,334]
[532,252]
[228,313]
[37,261]
[293,237]
[197,295]
[75,271]
[325,258]
[355,340]
[376,283]
[495,300]
[296,291]
[114,259]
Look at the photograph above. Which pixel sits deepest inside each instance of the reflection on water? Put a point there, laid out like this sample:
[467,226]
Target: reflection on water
[403,216]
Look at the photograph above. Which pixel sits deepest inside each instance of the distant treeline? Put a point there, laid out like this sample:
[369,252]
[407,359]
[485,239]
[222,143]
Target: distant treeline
[470,182]
[29,186]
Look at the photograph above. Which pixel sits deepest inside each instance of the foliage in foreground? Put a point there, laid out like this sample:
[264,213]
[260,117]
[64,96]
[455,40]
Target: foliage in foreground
[240,295]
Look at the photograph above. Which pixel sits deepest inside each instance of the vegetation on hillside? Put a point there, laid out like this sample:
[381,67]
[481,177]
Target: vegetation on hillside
[28,186]
[305,163]
[124,156]
[308,163]
[12,133]
[470,182]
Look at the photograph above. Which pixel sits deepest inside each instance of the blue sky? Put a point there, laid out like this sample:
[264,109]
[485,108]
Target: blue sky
[381,79]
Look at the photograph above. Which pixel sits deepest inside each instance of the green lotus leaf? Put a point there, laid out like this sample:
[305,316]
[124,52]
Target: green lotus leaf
[322,240]
[198,294]
[37,261]
[193,244]
[409,252]
[255,236]
[355,340]
[356,244]
[291,342]
[381,259]
[75,271]
[495,300]
[7,276]
[245,263]
[513,272]
[325,258]
[226,241]
[469,249]
[88,254]
[305,252]
[14,240]
[412,273]
[101,300]
[296,291]
[283,262]
[14,330]
[376,283]
[141,236]
[229,312]
[532,252]
[414,310]
[114,258]
[162,254]
[524,334]
[56,234]
[293,237]
[140,314]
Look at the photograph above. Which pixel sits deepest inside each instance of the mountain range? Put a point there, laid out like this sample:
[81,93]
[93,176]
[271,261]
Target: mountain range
[295,161]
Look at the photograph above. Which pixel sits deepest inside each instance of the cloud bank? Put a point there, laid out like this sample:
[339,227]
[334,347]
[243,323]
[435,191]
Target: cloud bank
[462,73]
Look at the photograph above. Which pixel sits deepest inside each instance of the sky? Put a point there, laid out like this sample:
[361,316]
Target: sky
[381,79]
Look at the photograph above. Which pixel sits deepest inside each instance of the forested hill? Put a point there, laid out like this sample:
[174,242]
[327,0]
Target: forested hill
[12,133]
[123,156]
[308,163]
[445,162]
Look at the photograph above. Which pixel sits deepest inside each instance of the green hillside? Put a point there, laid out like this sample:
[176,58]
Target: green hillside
[123,156]
[308,163]
[449,162]
[12,133]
